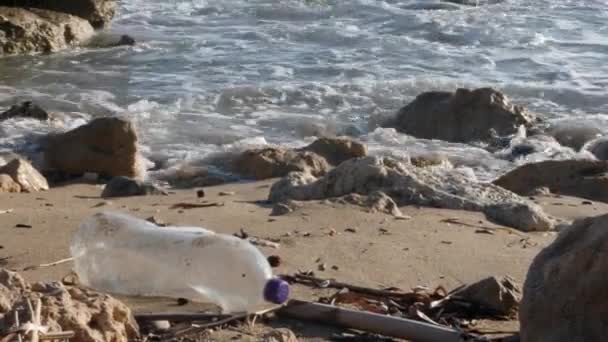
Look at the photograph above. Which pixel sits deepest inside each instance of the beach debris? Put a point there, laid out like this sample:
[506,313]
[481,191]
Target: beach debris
[24,174]
[280,335]
[50,264]
[263,243]
[226,193]
[124,187]
[351,230]
[564,294]
[322,267]
[22,225]
[274,261]
[184,205]
[498,294]
[157,221]
[182,301]
[411,185]
[200,193]
[5,211]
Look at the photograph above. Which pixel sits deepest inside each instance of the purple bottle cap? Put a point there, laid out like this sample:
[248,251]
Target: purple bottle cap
[276,291]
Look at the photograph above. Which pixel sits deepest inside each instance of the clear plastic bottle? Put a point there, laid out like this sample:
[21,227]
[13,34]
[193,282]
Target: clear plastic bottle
[121,254]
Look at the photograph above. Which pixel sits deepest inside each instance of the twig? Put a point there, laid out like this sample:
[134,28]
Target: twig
[455,220]
[196,205]
[58,262]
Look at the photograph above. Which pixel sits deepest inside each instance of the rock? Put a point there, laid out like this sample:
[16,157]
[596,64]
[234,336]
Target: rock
[93,317]
[40,31]
[574,135]
[580,178]
[498,295]
[407,185]
[12,286]
[98,12]
[280,209]
[106,146]
[463,116]
[25,110]
[566,286]
[599,148]
[280,335]
[105,39]
[8,184]
[376,201]
[337,150]
[24,174]
[125,187]
[277,162]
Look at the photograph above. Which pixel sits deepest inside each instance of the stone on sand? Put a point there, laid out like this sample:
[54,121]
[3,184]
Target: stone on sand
[566,289]
[410,185]
[463,116]
[125,187]
[25,175]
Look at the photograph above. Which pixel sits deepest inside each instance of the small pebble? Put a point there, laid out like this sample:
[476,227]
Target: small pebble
[351,230]
[332,232]
[274,261]
[322,267]
[335,267]
[200,193]
[182,301]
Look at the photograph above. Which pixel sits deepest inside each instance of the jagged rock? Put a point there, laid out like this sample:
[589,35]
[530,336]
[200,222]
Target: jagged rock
[12,286]
[376,202]
[407,184]
[93,317]
[337,150]
[8,184]
[124,187]
[40,31]
[580,178]
[106,146]
[497,295]
[574,135]
[24,174]
[463,116]
[566,287]
[277,162]
[98,12]
[25,110]
[280,335]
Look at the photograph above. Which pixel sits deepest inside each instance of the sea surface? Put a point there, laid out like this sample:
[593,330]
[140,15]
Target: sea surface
[217,76]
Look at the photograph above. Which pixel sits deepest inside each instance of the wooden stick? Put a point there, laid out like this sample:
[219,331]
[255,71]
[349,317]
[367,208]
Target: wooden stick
[55,263]
[367,321]
[177,317]
[60,335]
[17,324]
[196,205]
[339,285]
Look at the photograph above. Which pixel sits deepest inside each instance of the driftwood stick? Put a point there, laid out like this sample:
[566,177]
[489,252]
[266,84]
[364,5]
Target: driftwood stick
[61,335]
[55,263]
[183,205]
[305,279]
[177,317]
[371,322]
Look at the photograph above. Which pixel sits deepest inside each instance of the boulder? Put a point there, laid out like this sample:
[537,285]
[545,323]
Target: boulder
[463,116]
[274,162]
[407,185]
[98,12]
[25,110]
[496,295]
[106,146]
[375,202]
[580,178]
[124,187]
[94,317]
[566,285]
[599,148]
[8,184]
[25,175]
[40,31]
[337,150]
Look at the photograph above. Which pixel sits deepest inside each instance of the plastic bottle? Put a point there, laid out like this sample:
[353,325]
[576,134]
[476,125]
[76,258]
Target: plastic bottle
[120,254]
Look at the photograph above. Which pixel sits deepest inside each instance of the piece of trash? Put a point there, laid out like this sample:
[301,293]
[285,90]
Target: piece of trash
[21,225]
[196,205]
[332,232]
[6,211]
[446,242]
[403,217]
[185,250]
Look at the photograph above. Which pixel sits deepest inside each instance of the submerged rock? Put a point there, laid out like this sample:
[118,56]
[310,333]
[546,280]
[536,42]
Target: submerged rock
[125,187]
[98,12]
[580,178]
[40,31]
[25,175]
[463,116]
[407,184]
[106,146]
[277,162]
[25,110]
[566,286]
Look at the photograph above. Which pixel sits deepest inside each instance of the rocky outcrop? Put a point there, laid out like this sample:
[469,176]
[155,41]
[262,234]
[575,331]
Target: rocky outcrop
[124,187]
[93,317]
[106,146]
[566,286]
[8,184]
[464,116]
[579,178]
[98,12]
[277,162]
[337,150]
[25,110]
[31,31]
[407,184]
[25,175]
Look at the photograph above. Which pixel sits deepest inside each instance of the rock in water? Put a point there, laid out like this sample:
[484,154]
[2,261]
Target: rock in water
[106,146]
[124,187]
[567,285]
[337,150]
[407,184]
[8,184]
[277,162]
[25,110]
[599,148]
[463,116]
[40,31]
[580,178]
[24,174]
[98,12]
